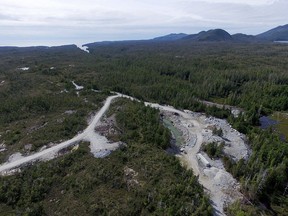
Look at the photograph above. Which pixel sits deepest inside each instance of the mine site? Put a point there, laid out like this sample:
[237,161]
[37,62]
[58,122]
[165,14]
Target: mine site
[196,131]
[191,131]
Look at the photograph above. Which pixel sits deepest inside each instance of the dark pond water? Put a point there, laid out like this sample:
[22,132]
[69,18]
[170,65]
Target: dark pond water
[266,122]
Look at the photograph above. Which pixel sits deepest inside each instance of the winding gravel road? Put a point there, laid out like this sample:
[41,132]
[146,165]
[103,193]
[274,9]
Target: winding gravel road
[87,135]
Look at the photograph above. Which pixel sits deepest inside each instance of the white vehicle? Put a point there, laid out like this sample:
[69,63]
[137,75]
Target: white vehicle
[203,160]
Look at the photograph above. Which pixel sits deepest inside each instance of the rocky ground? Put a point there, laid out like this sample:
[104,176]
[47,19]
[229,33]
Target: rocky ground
[197,130]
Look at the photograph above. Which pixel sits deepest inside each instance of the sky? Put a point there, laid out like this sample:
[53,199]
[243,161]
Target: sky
[59,22]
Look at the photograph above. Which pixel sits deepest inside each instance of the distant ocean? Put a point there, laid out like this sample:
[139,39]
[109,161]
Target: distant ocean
[281,41]
[28,43]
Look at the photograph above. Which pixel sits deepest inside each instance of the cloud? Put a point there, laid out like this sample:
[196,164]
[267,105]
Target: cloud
[239,2]
[4,17]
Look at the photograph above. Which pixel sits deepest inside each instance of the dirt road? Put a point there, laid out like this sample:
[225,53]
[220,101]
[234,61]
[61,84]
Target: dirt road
[88,135]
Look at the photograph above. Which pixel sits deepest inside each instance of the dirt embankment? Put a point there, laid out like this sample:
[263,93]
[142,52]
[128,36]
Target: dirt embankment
[234,110]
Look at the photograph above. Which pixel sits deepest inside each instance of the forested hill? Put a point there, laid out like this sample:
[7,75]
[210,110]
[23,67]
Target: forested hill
[279,33]
[211,35]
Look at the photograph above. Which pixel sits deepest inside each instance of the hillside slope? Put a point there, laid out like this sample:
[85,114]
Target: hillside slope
[170,37]
[279,33]
[211,35]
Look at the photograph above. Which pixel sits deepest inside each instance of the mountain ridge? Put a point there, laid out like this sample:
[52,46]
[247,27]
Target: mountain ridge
[210,35]
[279,33]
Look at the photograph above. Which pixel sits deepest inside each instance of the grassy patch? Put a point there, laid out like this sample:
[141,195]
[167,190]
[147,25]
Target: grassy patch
[282,119]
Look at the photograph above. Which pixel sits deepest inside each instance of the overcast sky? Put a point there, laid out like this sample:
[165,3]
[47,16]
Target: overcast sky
[55,22]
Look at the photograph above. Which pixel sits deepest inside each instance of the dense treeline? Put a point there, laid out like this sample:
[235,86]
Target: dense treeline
[80,184]
[237,74]
[136,127]
[264,177]
[18,108]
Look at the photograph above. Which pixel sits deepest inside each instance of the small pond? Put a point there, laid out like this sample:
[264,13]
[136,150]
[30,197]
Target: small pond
[266,122]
